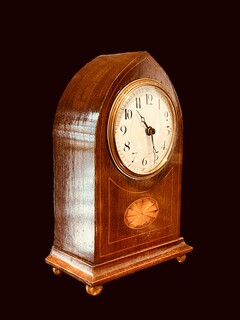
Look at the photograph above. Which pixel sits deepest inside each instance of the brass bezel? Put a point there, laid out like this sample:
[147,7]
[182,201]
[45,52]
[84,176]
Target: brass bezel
[111,124]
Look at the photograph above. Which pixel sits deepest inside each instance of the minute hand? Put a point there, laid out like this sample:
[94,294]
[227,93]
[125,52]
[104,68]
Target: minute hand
[154,150]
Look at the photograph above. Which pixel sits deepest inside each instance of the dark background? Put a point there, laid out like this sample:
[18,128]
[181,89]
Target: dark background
[43,46]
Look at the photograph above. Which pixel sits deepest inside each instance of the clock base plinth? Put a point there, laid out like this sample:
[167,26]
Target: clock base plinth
[95,275]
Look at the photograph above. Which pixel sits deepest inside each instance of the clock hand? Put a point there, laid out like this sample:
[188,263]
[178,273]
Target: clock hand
[149,130]
[142,119]
[154,150]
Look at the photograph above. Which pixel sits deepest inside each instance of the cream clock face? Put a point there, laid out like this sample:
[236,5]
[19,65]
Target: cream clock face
[141,128]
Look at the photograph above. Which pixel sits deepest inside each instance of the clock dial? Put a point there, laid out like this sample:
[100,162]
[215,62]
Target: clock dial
[141,128]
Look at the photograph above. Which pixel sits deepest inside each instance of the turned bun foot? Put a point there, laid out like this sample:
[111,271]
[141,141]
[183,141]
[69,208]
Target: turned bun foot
[56,271]
[93,291]
[182,258]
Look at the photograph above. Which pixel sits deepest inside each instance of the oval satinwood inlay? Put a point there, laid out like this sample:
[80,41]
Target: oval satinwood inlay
[141,213]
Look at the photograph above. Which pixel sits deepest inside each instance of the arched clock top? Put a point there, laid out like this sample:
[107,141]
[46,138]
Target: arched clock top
[86,102]
[100,79]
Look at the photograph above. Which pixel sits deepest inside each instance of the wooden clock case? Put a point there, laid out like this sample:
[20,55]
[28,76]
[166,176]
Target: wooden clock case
[91,241]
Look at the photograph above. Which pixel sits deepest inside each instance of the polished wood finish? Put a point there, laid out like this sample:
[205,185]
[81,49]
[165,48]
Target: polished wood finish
[92,243]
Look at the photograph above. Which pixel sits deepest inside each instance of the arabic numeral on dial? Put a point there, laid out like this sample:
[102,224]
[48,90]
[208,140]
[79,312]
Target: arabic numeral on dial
[138,103]
[164,145]
[149,99]
[144,161]
[134,156]
[169,129]
[123,129]
[128,114]
[126,147]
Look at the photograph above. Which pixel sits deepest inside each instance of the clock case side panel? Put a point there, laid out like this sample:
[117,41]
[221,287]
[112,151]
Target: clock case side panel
[74,143]
[113,188]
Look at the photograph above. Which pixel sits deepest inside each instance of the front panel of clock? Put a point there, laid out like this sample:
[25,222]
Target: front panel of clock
[140,165]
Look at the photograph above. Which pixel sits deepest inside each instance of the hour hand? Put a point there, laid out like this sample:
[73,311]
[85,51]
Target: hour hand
[149,130]
[142,119]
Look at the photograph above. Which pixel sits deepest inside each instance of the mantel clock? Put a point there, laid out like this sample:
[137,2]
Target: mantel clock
[117,138]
